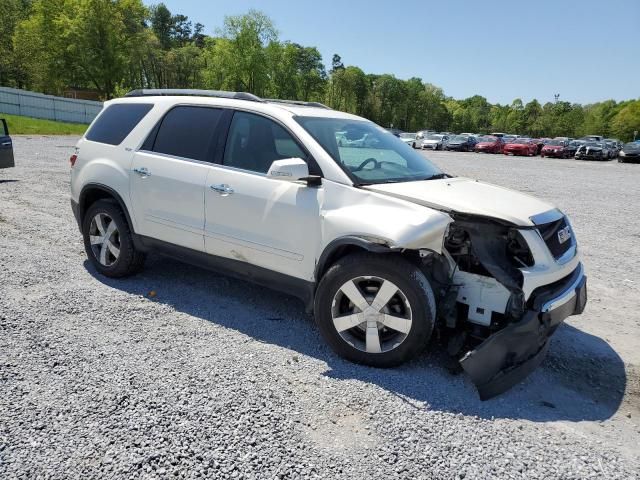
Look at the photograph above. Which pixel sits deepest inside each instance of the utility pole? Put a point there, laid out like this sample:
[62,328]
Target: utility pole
[556,96]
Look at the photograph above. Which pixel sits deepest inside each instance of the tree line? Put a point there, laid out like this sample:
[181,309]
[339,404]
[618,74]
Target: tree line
[113,46]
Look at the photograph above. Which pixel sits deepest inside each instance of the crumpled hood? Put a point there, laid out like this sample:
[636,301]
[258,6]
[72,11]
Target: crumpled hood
[465,195]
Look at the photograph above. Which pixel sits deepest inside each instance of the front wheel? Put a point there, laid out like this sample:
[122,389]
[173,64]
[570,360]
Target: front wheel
[108,240]
[376,310]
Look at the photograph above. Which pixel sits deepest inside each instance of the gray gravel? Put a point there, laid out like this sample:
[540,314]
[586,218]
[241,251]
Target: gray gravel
[212,377]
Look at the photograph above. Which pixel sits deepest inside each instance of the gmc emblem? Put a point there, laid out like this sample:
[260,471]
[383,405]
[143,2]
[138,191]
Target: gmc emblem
[564,234]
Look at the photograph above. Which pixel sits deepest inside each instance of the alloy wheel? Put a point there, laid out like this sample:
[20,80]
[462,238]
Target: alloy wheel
[104,238]
[371,314]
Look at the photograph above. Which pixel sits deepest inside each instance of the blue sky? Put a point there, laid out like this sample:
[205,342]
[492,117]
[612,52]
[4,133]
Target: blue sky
[586,50]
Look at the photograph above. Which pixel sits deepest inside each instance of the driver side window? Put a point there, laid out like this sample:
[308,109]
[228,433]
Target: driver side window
[255,142]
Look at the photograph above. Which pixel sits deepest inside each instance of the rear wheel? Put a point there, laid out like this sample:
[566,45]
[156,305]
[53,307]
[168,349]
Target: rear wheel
[375,310]
[108,240]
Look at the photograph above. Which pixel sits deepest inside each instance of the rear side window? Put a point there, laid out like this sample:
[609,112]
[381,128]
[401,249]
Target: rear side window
[116,122]
[188,132]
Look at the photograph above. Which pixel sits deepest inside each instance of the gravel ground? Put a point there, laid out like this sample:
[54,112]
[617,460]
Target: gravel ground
[183,373]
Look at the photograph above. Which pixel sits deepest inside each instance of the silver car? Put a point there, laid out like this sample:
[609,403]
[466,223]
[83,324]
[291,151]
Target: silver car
[434,141]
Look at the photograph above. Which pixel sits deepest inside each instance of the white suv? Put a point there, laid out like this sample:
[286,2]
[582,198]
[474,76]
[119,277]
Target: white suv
[380,244]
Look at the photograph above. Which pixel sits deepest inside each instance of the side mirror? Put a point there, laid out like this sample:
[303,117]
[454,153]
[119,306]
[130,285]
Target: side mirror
[292,170]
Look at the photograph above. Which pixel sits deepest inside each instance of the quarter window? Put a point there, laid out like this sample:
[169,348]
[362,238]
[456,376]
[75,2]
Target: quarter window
[116,122]
[255,142]
[188,132]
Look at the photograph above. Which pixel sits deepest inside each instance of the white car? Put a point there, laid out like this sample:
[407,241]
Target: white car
[408,138]
[380,244]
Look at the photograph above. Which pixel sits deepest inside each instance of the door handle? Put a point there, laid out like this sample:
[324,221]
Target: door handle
[6,144]
[142,171]
[223,189]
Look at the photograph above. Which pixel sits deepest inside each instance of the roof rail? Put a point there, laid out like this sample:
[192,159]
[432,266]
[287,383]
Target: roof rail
[152,92]
[298,103]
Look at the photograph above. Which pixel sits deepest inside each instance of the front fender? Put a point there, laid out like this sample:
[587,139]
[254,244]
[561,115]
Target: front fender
[380,219]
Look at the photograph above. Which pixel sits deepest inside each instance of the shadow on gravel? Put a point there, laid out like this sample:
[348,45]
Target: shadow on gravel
[582,378]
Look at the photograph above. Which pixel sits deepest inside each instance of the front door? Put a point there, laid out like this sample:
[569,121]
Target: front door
[6,146]
[168,176]
[266,222]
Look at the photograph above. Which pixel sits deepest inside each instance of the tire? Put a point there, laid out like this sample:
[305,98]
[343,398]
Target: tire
[117,237]
[412,301]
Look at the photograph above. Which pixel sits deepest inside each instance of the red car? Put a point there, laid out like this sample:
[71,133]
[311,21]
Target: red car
[541,142]
[521,146]
[489,144]
[558,149]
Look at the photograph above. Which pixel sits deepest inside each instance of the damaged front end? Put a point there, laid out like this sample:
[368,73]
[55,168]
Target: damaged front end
[495,324]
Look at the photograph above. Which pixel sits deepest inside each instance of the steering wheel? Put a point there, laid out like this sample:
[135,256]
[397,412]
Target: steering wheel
[376,164]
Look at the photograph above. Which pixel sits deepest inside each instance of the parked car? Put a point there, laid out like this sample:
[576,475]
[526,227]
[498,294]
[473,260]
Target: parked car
[461,143]
[521,146]
[592,138]
[489,144]
[592,151]
[612,147]
[434,141]
[420,135]
[541,142]
[408,138]
[348,139]
[6,146]
[384,247]
[396,132]
[629,153]
[558,148]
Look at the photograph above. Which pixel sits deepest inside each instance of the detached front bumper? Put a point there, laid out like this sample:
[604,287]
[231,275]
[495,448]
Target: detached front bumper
[510,355]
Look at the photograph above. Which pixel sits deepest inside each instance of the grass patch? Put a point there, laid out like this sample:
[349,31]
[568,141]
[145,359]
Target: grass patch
[19,125]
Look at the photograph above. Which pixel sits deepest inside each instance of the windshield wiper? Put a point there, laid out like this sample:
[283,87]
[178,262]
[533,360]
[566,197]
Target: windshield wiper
[438,176]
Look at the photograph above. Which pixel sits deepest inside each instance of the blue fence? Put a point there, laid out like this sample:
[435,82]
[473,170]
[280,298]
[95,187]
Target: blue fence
[31,104]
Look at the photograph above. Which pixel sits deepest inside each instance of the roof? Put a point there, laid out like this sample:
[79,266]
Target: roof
[233,100]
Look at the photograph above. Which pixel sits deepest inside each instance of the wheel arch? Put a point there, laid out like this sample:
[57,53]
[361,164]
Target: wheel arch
[340,247]
[91,193]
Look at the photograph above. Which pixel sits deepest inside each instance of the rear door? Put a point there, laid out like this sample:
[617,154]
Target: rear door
[169,173]
[6,146]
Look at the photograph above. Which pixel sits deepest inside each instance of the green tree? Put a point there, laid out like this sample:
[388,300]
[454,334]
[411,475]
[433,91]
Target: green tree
[13,12]
[627,121]
[240,55]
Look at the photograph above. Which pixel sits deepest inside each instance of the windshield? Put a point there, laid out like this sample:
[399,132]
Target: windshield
[434,137]
[556,143]
[367,152]
[487,139]
[459,138]
[408,135]
[520,141]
